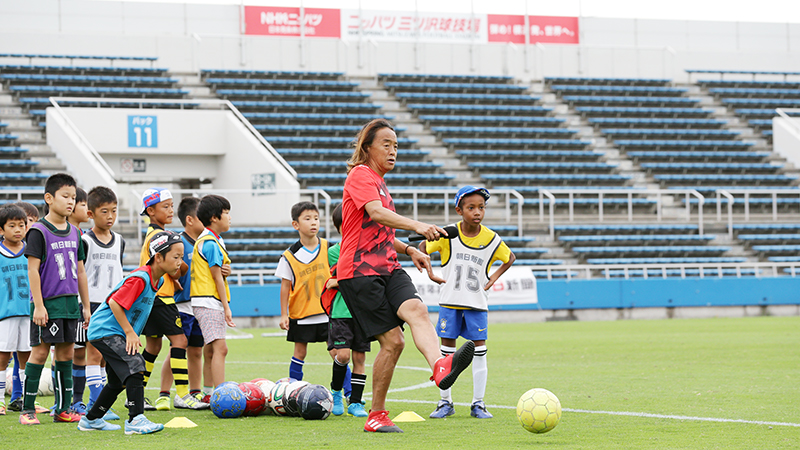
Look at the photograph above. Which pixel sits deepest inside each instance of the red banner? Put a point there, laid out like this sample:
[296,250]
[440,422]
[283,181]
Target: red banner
[544,29]
[276,21]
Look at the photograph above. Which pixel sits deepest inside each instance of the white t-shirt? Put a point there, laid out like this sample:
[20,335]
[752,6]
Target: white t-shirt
[284,271]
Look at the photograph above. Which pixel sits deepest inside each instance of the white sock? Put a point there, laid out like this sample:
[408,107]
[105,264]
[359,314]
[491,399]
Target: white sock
[22,378]
[93,375]
[479,374]
[2,386]
[446,392]
[103,374]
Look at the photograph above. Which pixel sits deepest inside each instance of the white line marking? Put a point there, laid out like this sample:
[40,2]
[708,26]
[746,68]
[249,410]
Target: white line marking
[429,384]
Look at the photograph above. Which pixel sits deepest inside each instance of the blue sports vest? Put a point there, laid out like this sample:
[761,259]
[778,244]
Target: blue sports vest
[14,291]
[104,324]
[186,280]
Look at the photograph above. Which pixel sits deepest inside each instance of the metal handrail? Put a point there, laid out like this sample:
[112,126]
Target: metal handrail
[731,200]
[92,151]
[629,193]
[551,210]
[137,198]
[605,271]
[448,192]
[746,201]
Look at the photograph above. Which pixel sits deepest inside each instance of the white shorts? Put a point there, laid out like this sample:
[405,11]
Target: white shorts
[15,334]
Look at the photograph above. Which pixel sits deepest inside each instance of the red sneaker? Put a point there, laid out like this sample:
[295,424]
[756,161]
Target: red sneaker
[28,418]
[379,422]
[66,416]
[448,368]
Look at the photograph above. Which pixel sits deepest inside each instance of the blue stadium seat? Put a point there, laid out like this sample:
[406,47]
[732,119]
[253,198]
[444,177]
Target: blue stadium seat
[517,142]
[767,178]
[711,166]
[776,248]
[607,81]
[487,109]
[281,106]
[755,92]
[494,98]
[499,155]
[660,132]
[638,143]
[637,100]
[280,93]
[514,166]
[629,228]
[660,249]
[554,121]
[609,238]
[510,131]
[411,85]
[282,82]
[634,121]
[619,90]
[571,177]
[676,260]
[643,111]
[679,155]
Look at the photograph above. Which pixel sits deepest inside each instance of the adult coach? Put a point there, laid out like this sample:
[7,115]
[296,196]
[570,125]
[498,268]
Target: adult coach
[379,294]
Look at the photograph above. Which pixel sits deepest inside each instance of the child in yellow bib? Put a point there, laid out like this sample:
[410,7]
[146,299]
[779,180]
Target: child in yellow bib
[304,269]
[209,286]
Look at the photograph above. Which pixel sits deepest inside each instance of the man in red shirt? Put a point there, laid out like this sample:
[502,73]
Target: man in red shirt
[379,294]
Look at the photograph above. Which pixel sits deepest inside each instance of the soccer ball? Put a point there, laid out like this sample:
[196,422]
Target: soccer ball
[227,383]
[45,382]
[228,402]
[538,410]
[266,386]
[276,398]
[290,398]
[315,402]
[255,398]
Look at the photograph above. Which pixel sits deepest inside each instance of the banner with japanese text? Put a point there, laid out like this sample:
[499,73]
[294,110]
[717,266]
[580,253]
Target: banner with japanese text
[515,287]
[409,26]
[544,29]
[278,21]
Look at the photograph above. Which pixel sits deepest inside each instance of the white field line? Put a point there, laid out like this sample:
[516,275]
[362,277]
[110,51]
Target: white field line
[429,384]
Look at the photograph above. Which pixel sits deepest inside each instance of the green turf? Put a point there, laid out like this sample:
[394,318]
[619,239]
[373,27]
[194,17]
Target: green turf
[740,369]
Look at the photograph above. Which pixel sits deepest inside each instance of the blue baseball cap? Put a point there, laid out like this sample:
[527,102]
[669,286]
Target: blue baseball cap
[152,197]
[467,190]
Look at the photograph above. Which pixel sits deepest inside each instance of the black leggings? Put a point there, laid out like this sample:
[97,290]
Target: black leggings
[134,385]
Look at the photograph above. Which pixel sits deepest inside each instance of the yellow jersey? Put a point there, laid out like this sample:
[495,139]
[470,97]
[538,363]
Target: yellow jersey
[203,285]
[309,281]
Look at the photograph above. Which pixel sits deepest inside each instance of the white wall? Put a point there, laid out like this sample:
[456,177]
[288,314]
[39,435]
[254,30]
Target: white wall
[786,138]
[208,145]
[611,47]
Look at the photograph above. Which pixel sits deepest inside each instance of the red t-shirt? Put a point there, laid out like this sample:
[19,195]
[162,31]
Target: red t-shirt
[367,247]
[130,290]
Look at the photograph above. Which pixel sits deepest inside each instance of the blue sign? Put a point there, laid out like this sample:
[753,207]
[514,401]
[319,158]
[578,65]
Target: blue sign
[143,131]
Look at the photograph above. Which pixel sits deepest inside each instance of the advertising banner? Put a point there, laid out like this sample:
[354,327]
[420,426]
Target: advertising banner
[277,21]
[544,29]
[408,26]
[515,287]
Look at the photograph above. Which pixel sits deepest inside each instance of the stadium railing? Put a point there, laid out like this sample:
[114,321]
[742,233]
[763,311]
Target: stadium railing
[628,193]
[315,194]
[747,194]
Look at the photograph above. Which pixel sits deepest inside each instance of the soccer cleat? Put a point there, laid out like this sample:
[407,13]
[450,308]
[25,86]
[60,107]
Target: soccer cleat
[447,369]
[79,408]
[110,415]
[338,403]
[15,405]
[141,425]
[2,409]
[199,396]
[478,410]
[67,416]
[206,398]
[443,409]
[188,402]
[148,406]
[42,410]
[97,424]
[357,410]
[379,422]
[28,418]
[162,404]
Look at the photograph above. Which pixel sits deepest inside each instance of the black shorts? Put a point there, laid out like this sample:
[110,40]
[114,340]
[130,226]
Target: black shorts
[113,350]
[57,331]
[191,328]
[317,332]
[164,320]
[344,333]
[374,300]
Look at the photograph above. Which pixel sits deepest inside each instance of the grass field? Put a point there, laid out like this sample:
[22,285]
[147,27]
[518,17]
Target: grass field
[620,384]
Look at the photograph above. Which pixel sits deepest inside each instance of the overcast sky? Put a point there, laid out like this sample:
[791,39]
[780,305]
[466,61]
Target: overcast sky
[781,11]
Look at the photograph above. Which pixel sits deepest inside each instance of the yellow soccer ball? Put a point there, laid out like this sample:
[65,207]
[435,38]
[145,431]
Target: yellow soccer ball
[538,410]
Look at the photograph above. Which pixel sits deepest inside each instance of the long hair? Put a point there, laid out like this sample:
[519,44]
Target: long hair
[364,139]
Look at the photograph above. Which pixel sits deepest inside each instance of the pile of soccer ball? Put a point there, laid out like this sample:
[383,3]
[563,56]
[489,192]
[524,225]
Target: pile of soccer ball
[285,397]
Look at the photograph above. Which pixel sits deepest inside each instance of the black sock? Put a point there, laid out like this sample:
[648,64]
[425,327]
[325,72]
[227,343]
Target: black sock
[134,387]
[105,400]
[195,392]
[358,381]
[339,371]
[78,382]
